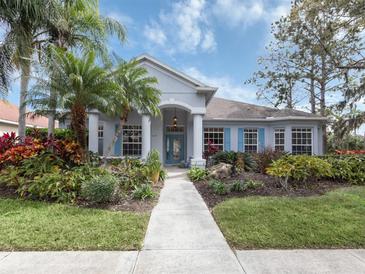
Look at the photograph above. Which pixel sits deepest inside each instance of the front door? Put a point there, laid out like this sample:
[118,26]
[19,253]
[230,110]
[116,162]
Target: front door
[174,148]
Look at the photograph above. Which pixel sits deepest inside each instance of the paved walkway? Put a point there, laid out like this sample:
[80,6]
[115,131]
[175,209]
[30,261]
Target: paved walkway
[182,237]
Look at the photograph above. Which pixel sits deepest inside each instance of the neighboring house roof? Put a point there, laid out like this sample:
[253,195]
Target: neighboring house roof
[200,87]
[223,109]
[9,114]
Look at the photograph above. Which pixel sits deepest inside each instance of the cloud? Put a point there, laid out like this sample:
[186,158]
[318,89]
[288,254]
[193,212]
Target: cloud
[227,88]
[247,12]
[185,26]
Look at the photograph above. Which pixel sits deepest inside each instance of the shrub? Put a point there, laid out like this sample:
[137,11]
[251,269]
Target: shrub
[7,141]
[238,186]
[264,159]
[299,168]
[253,184]
[240,161]
[42,133]
[218,187]
[197,174]
[143,192]
[348,168]
[153,165]
[99,189]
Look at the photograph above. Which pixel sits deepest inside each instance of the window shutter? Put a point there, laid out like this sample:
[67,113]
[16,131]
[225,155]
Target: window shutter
[261,139]
[240,140]
[227,139]
[118,143]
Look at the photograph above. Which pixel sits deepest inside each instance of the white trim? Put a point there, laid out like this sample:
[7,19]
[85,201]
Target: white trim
[16,124]
[269,119]
[179,104]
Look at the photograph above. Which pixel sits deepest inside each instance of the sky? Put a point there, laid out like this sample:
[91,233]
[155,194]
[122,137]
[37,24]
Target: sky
[215,41]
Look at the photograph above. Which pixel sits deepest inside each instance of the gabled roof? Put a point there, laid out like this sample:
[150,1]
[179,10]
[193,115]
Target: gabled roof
[199,86]
[9,113]
[223,109]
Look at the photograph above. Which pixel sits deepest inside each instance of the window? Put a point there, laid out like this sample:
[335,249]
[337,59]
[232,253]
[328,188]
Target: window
[214,136]
[251,140]
[132,140]
[302,141]
[100,131]
[279,138]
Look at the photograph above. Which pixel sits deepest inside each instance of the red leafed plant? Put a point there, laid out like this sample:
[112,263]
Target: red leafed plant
[349,152]
[22,151]
[8,140]
[212,149]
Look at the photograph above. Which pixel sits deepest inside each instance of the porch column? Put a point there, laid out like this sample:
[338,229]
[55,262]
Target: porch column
[198,141]
[93,131]
[146,135]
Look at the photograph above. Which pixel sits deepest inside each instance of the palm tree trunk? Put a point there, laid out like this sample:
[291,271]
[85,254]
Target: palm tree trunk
[24,84]
[78,124]
[52,112]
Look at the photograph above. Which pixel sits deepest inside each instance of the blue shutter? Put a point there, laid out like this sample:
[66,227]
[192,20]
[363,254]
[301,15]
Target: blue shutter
[118,143]
[261,139]
[227,139]
[240,140]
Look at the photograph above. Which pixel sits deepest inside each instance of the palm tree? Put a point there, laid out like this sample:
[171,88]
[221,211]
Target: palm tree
[22,20]
[79,25]
[138,92]
[80,85]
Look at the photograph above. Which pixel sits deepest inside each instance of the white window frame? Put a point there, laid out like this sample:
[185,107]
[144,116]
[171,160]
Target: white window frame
[250,131]
[101,131]
[279,130]
[127,151]
[213,130]
[301,130]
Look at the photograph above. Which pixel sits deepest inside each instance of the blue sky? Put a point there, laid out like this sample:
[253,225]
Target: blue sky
[215,41]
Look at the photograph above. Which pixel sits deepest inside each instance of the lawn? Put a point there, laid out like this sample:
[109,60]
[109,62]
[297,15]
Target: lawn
[334,220]
[27,225]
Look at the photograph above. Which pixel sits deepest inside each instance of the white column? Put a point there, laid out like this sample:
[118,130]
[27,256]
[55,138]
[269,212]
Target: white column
[146,135]
[315,149]
[288,143]
[198,141]
[93,131]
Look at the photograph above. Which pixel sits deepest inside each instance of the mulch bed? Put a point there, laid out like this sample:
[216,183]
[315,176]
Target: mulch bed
[271,188]
[125,204]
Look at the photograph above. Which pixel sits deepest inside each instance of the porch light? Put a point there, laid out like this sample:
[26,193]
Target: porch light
[174,120]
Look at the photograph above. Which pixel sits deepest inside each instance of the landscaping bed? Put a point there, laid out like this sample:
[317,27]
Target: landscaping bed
[270,188]
[333,220]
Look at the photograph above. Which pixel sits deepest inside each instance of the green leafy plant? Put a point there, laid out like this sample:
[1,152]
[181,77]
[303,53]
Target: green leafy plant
[218,187]
[143,192]
[240,161]
[299,168]
[99,189]
[265,158]
[253,184]
[238,186]
[348,168]
[154,165]
[197,174]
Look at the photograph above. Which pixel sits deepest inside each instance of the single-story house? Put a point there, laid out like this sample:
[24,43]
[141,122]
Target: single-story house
[192,117]
[9,114]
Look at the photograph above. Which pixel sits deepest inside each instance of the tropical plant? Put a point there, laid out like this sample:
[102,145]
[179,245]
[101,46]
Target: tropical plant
[143,192]
[238,186]
[299,168]
[153,165]
[24,21]
[80,85]
[197,174]
[240,161]
[265,158]
[99,189]
[138,91]
[348,168]
[218,187]
[78,25]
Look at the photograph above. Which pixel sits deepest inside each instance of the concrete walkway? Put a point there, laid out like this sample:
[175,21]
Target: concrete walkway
[182,236]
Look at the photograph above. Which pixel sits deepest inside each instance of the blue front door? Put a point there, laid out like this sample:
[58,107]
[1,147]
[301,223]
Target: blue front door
[174,148]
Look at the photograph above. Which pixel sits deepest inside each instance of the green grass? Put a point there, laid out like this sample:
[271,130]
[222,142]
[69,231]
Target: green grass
[334,220]
[27,225]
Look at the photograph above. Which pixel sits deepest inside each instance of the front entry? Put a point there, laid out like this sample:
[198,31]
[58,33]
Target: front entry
[174,148]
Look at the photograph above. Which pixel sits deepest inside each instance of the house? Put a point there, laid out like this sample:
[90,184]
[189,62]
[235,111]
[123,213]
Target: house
[192,116]
[9,114]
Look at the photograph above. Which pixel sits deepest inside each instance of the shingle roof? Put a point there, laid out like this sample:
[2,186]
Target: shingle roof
[10,112]
[223,109]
